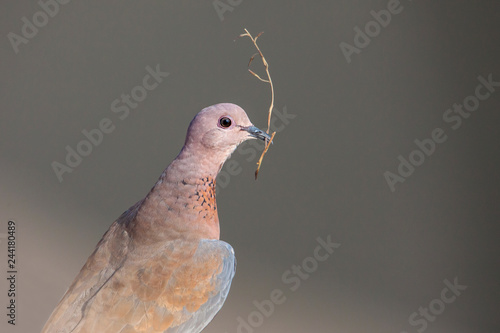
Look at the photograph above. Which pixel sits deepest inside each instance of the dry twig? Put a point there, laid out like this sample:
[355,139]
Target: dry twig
[266,66]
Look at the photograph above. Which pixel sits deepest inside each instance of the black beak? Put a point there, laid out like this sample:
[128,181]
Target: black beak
[257,133]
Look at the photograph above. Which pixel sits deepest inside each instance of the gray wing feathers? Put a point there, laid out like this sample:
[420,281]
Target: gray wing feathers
[207,311]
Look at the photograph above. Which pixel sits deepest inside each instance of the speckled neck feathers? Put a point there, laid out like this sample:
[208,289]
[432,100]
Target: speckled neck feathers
[181,203]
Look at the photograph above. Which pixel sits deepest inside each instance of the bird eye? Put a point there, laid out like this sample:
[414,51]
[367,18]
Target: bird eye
[225,122]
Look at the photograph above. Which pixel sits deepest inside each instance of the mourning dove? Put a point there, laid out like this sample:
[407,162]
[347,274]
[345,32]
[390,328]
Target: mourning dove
[161,267]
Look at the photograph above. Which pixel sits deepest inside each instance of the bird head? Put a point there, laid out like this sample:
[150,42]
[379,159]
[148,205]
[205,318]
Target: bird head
[220,128]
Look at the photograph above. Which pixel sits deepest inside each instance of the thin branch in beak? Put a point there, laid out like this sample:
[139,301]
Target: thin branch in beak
[266,66]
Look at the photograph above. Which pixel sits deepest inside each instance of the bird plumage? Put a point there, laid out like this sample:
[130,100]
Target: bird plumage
[161,267]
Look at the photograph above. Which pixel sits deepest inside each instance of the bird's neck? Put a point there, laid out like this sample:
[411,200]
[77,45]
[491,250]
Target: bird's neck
[182,203]
[192,164]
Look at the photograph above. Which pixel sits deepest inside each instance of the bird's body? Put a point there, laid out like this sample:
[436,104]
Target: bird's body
[161,266]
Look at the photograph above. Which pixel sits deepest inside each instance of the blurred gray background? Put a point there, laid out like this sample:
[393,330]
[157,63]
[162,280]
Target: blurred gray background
[323,176]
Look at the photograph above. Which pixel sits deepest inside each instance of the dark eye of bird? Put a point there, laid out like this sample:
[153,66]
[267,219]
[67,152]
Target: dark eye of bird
[225,122]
